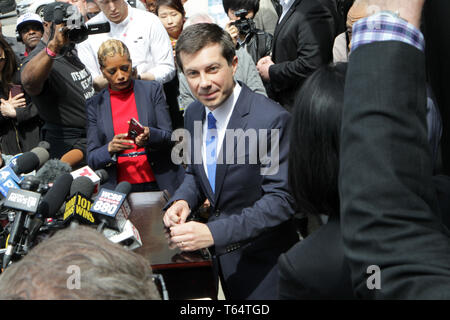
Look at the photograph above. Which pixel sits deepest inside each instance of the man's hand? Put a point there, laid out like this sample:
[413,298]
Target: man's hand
[232,30]
[410,10]
[176,214]
[60,38]
[142,139]
[263,66]
[191,236]
[119,143]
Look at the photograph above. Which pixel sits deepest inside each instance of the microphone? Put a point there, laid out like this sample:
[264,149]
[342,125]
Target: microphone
[91,174]
[49,206]
[51,170]
[111,207]
[53,200]
[44,144]
[79,204]
[9,175]
[73,157]
[103,175]
[8,180]
[129,236]
[24,201]
[26,163]
[42,154]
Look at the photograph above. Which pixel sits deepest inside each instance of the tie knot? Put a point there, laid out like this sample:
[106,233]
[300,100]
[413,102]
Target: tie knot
[211,121]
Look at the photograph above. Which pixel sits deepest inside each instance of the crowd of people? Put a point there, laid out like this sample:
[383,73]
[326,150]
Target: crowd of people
[311,134]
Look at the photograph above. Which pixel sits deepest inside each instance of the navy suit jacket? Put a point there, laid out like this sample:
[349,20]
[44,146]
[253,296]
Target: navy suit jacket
[251,213]
[152,112]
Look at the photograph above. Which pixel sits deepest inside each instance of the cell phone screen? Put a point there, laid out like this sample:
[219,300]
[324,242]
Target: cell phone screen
[16,89]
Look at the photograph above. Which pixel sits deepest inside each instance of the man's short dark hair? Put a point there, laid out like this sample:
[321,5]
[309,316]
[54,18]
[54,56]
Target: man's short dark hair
[107,271]
[241,4]
[198,36]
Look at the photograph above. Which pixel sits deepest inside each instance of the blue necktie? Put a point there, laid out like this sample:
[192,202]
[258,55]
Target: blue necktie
[211,146]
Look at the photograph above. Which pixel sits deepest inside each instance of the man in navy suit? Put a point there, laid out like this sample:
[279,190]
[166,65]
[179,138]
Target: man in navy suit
[250,223]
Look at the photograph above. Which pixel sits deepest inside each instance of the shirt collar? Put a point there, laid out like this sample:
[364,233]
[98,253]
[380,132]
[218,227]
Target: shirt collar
[286,3]
[223,112]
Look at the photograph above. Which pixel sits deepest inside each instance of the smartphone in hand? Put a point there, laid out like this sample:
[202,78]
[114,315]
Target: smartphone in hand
[134,129]
[16,89]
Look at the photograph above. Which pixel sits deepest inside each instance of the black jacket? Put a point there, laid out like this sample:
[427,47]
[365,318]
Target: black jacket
[22,133]
[389,207]
[258,44]
[316,267]
[303,41]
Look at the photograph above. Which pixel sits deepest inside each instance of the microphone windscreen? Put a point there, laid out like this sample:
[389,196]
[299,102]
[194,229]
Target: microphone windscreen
[84,185]
[42,154]
[73,157]
[52,169]
[26,163]
[103,175]
[44,144]
[55,197]
[123,187]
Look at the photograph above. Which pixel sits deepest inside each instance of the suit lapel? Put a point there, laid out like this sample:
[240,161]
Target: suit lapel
[280,26]
[106,113]
[237,121]
[141,104]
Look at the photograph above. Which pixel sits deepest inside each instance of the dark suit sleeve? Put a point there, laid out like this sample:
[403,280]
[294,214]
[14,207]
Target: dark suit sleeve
[315,33]
[161,133]
[97,150]
[189,190]
[388,203]
[272,209]
[27,113]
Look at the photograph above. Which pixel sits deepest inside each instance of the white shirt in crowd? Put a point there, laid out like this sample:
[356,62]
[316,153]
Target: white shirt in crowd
[146,39]
[286,4]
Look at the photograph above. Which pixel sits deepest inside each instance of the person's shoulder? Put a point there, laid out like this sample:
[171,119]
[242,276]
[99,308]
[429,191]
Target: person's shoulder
[142,14]
[147,85]
[95,100]
[263,105]
[36,50]
[194,108]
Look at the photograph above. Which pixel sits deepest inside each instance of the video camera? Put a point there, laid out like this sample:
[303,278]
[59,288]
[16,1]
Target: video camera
[244,25]
[77,31]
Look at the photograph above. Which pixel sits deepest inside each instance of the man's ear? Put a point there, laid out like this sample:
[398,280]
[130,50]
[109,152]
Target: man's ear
[234,64]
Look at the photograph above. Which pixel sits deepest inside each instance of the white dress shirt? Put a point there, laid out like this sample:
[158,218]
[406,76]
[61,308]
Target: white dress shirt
[286,4]
[222,114]
[146,39]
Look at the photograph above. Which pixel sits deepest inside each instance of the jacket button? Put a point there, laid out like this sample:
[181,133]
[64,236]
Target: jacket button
[217,213]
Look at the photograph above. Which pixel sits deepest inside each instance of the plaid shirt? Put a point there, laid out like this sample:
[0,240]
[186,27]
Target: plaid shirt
[385,26]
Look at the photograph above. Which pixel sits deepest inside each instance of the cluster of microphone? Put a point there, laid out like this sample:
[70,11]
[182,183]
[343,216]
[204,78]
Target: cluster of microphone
[41,195]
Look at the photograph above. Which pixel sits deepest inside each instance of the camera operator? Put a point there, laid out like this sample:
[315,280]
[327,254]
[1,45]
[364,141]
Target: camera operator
[243,30]
[59,84]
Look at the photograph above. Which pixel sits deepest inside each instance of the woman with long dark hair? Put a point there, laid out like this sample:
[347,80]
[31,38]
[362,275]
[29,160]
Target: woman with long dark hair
[19,120]
[316,268]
